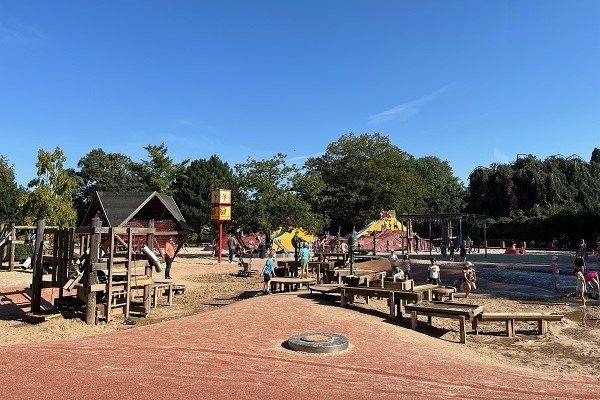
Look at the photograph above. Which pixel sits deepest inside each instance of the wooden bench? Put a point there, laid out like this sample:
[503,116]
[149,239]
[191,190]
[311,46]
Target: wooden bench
[510,319]
[288,283]
[462,312]
[161,287]
[396,298]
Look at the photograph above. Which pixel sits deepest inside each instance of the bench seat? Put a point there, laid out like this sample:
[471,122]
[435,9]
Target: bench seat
[510,319]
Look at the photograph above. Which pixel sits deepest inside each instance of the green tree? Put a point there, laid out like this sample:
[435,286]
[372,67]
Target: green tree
[51,192]
[193,190]
[271,201]
[101,171]
[9,191]
[364,174]
[443,192]
[159,173]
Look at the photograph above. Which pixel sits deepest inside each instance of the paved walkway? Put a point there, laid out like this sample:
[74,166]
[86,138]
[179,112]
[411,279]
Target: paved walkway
[237,352]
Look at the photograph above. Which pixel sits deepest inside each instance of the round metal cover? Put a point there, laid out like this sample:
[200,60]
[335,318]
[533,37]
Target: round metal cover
[318,342]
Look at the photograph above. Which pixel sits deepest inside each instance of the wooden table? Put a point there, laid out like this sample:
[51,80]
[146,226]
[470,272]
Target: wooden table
[462,312]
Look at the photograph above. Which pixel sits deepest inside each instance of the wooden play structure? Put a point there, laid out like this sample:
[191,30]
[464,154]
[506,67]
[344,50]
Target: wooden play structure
[93,275]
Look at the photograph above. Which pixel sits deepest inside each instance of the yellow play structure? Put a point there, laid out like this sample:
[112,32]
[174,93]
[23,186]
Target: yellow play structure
[282,239]
[388,222]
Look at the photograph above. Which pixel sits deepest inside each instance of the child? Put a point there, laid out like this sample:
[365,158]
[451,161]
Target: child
[469,278]
[399,275]
[580,286]
[406,266]
[434,273]
[451,250]
[393,261]
[267,271]
[555,272]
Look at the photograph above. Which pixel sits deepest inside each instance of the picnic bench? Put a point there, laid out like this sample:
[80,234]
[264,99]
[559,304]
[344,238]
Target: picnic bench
[289,283]
[462,312]
[396,298]
[510,319]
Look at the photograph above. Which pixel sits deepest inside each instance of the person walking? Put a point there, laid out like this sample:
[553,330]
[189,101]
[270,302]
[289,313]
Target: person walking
[267,271]
[169,256]
[231,247]
[580,286]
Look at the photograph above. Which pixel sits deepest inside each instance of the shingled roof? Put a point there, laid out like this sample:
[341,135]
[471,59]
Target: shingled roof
[118,208]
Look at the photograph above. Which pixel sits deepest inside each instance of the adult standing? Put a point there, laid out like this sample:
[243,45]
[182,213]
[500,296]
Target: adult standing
[231,247]
[169,256]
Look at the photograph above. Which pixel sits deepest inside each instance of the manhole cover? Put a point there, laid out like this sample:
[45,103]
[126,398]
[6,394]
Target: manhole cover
[318,342]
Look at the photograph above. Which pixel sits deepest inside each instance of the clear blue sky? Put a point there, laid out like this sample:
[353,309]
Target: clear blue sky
[471,82]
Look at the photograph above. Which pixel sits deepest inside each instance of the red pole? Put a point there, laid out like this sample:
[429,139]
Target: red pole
[220,250]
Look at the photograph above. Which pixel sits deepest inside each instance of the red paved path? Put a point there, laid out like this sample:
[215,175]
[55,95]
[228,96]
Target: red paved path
[236,352]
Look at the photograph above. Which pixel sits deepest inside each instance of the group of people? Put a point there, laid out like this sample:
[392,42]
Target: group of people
[401,271]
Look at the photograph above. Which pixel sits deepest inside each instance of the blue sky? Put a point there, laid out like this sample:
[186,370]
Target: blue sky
[471,82]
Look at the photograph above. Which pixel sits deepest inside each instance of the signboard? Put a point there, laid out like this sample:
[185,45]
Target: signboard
[220,196]
[220,213]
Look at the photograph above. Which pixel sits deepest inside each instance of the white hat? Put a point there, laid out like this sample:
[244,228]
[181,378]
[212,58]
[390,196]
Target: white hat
[469,264]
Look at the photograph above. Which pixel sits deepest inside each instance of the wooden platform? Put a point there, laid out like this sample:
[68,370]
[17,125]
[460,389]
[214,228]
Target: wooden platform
[288,283]
[462,312]
[325,288]
[397,298]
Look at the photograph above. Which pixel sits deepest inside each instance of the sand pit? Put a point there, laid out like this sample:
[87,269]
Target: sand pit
[230,343]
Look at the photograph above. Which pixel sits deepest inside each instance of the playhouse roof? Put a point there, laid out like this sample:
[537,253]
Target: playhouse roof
[118,208]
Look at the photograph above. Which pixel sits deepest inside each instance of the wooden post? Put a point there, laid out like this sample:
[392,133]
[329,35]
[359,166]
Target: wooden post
[128,279]
[11,248]
[92,276]
[38,267]
[392,305]
[463,330]
[413,320]
[109,281]
[148,272]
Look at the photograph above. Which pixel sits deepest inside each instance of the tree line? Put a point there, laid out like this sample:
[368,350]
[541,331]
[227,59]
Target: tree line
[355,178]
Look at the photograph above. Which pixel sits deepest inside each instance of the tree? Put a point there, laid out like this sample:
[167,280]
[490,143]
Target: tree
[193,189]
[443,192]
[101,171]
[272,202]
[51,195]
[595,156]
[160,172]
[364,174]
[9,191]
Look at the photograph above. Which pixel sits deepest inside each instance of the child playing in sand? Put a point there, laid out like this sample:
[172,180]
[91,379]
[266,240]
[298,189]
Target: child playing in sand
[580,286]
[393,261]
[267,271]
[469,278]
[555,272]
[398,275]
[592,278]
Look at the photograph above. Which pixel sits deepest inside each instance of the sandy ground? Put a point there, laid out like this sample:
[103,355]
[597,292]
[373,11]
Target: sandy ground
[506,283]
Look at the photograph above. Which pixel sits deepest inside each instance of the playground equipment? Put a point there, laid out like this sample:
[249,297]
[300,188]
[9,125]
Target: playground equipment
[106,281]
[282,240]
